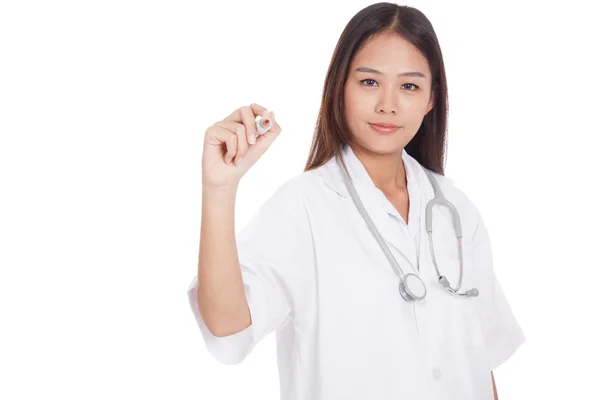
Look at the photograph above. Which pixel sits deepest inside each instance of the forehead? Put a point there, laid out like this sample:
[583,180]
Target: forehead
[390,50]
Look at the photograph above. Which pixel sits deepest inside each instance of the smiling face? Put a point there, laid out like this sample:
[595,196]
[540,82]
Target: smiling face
[388,82]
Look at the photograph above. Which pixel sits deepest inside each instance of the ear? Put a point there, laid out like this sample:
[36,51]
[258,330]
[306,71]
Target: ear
[431,102]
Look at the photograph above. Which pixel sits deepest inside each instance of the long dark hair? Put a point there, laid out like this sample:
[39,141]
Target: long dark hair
[428,146]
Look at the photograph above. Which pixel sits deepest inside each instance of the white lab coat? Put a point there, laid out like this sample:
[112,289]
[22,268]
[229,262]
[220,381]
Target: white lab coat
[314,273]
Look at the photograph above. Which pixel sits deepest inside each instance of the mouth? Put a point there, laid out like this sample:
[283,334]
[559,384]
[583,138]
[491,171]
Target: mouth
[384,128]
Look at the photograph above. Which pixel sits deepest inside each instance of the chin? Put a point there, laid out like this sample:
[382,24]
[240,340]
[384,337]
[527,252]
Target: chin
[383,145]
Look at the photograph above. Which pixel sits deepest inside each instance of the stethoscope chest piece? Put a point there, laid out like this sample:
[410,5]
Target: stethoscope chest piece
[412,288]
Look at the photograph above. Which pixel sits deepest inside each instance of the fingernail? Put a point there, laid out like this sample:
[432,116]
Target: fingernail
[252,138]
[239,160]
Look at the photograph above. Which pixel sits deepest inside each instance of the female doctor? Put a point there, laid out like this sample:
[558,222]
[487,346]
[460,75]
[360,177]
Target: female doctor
[374,270]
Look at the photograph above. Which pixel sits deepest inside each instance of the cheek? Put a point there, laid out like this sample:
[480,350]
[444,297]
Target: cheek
[349,97]
[412,103]
[415,108]
[353,105]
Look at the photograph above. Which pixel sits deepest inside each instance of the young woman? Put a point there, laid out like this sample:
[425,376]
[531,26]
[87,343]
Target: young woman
[373,292]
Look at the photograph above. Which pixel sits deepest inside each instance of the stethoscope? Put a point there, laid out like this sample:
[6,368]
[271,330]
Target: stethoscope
[412,286]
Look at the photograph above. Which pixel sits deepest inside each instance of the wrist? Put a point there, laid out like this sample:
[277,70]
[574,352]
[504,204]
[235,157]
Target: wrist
[220,192]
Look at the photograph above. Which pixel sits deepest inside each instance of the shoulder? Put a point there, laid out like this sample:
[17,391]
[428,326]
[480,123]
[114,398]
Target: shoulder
[287,203]
[297,190]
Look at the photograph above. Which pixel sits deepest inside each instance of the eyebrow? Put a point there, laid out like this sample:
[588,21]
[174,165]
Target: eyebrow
[374,71]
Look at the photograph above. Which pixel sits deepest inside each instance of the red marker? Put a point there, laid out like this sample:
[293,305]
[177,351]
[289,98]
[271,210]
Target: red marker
[263,124]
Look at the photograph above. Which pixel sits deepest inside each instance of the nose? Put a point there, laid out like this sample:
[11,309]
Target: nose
[388,103]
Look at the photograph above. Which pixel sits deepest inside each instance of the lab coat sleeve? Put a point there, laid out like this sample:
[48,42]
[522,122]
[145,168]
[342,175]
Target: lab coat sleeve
[275,255]
[502,333]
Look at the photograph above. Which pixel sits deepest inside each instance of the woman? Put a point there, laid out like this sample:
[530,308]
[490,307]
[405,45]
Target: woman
[310,267]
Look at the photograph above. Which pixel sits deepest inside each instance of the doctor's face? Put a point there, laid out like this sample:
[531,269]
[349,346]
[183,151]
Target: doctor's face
[375,93]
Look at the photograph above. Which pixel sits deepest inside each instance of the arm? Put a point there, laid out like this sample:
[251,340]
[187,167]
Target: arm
[494,384]
[221,296]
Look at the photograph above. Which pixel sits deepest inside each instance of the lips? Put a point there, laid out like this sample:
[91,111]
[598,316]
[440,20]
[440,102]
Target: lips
[385,128]
[385,125]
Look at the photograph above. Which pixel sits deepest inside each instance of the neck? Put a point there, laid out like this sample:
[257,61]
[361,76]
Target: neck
[386,170]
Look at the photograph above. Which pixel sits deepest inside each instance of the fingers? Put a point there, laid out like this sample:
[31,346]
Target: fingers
[249,121]
[238,131]
[231,145]
[259,110]
[229,132]
[256,109]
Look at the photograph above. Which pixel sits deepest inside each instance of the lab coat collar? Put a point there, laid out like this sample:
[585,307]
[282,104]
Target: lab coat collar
[379,208]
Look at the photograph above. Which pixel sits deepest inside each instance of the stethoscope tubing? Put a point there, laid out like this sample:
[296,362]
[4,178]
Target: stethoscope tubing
[410,291]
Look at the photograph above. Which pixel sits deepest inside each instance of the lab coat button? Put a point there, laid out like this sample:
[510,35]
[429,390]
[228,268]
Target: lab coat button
[437,375]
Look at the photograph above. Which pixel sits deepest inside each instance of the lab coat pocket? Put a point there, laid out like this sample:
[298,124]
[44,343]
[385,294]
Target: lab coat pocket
[477,337]
[476,349]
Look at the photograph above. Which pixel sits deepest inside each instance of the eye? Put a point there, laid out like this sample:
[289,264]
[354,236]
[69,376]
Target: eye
[365,80]
[414,87]
[412,84]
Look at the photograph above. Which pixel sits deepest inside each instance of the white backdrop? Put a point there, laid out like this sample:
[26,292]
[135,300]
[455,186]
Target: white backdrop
[103,108]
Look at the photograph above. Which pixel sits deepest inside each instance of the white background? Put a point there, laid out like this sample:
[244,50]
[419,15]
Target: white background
[103,108]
